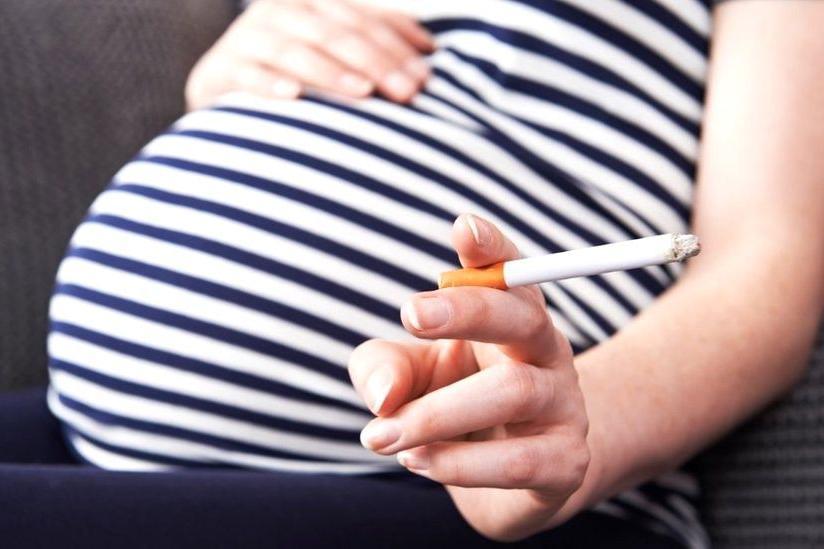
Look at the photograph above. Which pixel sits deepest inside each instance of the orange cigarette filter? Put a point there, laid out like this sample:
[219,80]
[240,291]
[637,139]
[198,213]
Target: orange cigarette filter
[491,277]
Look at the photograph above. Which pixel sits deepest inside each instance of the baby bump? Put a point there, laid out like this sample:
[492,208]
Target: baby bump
[208,303]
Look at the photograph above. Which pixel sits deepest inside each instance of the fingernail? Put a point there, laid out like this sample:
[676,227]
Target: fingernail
[377,389]
[417,68]
[417,459]
[428,313]
[285,88]
[399,84]
[355,84]
[379,434]
[480,232]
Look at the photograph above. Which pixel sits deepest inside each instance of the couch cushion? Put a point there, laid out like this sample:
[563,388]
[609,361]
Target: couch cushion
[84,85]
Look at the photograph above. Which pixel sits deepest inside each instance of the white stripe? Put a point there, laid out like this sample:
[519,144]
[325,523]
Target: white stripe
[215,269]
[690,516]
[271,205]
[103,458]
[585,129]
[509,168]
[193,451]
[609,508]
[591,174]
[648,31]
[172,415]
[168,297]
[480,150]
[300,215]
[249,239]
[546,27]
[443,111]
[636,498]
[531,66]
[478,181]
[150,374]
[66,308]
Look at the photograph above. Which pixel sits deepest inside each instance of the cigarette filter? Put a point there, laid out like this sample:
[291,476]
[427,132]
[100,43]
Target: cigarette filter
[621,256]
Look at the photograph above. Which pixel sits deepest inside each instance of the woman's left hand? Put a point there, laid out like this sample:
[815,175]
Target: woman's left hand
[491,407]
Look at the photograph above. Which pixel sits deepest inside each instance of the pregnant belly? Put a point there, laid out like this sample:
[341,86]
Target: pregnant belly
[208,304]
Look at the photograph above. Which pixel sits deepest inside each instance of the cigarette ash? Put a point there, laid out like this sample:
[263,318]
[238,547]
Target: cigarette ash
[684,246]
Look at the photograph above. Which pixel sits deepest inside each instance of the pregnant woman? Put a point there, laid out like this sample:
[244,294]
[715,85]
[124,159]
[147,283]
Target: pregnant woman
[210,304]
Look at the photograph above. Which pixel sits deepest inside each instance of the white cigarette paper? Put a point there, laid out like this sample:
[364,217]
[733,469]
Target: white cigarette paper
[621,256]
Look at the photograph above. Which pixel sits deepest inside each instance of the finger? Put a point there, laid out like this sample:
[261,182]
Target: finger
[304,63]
[552,463]
[410,29]
[249,77]
[389,374]
[265,82]
[352,47]
[380,32]
[511,393]
[516,320]
[479,242]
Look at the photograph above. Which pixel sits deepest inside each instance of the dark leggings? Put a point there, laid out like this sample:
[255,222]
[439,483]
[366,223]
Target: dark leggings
[50,501]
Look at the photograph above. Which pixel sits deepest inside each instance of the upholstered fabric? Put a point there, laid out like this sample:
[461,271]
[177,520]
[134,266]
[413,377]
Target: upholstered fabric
[83,86]
[764,485]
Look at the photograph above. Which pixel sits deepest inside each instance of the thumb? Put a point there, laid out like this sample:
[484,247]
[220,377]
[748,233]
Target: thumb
[388,374]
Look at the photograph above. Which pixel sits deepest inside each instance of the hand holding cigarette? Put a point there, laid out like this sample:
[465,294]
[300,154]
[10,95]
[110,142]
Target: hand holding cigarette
[621,256]
[490,399]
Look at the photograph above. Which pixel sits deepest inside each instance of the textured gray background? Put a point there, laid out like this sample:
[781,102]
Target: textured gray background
[83,84]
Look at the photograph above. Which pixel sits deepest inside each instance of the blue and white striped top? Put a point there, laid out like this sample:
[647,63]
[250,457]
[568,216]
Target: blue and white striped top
[208,304]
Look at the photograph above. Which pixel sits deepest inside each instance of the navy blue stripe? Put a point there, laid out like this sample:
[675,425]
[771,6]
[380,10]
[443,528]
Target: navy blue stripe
[623,41]
[399,160]
[225,293]
[440,146]
[155,459]
[583,65]
[560,179]
[200,367]
[568,181]
[207,329]
[358,178]
[207,406]
[598,155]
[555,96]
[642,516]
[316,201]
[673,23]
[231,445]
[499,210]
[605,159]
[254,261]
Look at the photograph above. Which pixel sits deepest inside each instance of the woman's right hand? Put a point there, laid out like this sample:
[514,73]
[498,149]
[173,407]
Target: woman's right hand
[276,48]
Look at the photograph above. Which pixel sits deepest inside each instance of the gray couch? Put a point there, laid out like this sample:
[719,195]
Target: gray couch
[84,84]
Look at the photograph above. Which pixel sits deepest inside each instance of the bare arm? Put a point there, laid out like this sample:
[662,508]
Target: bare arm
[496,408]
[735,332]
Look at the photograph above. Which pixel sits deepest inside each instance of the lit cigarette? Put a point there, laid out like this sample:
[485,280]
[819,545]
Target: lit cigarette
[621,256]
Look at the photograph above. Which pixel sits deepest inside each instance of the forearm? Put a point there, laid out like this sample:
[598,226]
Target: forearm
[720,345]
[735,332]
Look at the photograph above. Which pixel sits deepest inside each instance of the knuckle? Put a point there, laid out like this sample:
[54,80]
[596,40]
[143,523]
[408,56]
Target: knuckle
[537,322]
[577,459]
[525,395]
[522,468]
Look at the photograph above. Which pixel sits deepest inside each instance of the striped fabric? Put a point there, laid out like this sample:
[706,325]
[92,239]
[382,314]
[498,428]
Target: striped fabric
[208,304]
